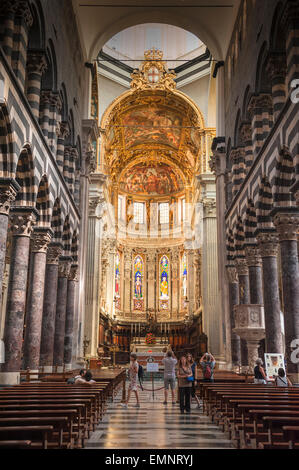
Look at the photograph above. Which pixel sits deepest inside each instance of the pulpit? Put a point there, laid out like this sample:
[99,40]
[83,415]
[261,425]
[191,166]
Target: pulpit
[250,325]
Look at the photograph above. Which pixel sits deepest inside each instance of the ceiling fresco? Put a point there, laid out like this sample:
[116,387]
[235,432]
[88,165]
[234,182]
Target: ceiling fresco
[151,179]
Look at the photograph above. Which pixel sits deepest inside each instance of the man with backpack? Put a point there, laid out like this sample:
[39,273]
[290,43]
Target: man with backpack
[208,363]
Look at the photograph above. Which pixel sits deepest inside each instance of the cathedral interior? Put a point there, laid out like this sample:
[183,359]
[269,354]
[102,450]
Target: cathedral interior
[149,184]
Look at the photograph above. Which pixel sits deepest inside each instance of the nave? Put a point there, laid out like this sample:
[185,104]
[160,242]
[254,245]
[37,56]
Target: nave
[156,426]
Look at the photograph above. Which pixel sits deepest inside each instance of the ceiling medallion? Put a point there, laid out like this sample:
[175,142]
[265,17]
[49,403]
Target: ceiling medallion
[153,73]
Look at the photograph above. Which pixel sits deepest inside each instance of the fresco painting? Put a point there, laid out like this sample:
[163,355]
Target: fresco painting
[151,179]
[152,125]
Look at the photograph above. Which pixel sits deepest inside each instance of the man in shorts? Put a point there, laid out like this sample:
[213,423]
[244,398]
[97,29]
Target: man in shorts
[169,362]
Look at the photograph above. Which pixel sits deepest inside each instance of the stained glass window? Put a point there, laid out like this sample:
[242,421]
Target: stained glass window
[138,277]
[184,275]
[164,278]
[117,281]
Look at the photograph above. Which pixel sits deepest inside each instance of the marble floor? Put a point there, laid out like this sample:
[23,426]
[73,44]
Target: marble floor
[155,426]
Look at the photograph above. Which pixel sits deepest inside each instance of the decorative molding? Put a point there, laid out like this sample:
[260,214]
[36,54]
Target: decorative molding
[74,274]
[268,244]
[7,197]
[253,257]
[232,274]
[64,268]
[241,266]
[54,253]
[287,226]
[36,62]
[40,241]
[22,224]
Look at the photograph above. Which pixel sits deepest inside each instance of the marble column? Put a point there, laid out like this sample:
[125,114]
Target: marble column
[22,226]
[23,22]
[40,240]
[268,247]
[49,307]
[63,274]
[244,298]
[8,9]
[233,285]
[36,66]
[287,224]
[70,312]
[8,192]
[254,263]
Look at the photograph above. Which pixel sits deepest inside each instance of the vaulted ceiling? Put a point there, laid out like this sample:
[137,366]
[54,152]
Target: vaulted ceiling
[210,20]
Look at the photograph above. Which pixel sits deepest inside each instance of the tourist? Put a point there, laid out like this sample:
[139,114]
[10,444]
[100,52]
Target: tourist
[208,363]
[193,366]
[185,384]
[133,376]
[85,380]
[81,374]
[281,380]
[169,362]
[259,373]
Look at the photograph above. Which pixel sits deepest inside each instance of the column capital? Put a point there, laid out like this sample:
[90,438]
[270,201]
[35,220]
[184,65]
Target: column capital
[8,191]
[54,253]
[36,61]
[253,257]
[232,274]
[64,266]
[287,224]
[268,244]
[246,132]
[22,220]
[90,162]
[24,10]
[209,206]
[40,240]
[263,100]
[74,273]
[63,130]
[241,266]
[93,204]
[9,6]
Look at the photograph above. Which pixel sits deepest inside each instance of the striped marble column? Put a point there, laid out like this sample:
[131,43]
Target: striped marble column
[8,192]
[35,297]
[36,66]
[261,111]
[72,169]
[49,307]
[67,172]
[44,115]
[22,220]
[277,71]
[54,123]
[237,156]
[70,312]
[23,22]
[291,25]
[254,263]
[287,224]
[268,248]
[8,9]
[246,136]
[244,298]
[63,134]
[234,300]
[63,274]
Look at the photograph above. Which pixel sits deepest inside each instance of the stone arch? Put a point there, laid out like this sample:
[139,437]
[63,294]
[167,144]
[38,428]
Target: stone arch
[246,99]
[66,237]
[237,129]
[277,38]
[74,247]
[284,178]
[64,103]
[250,223]
[230,245]
[264,204]
[25,177]
[56,222]
[36,36]
[49,78]
[239,238]
[43,203]
[7,146]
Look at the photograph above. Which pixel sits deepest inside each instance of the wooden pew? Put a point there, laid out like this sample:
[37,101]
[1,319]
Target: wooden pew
[38,435]
[291,435]
[15,444]
[274,425]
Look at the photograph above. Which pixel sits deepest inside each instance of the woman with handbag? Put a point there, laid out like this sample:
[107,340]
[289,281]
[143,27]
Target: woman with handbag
[185,379]
[193,366]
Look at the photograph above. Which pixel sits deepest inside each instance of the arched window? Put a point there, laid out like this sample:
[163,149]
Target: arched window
[164,284]
[138,283]
[184,278]
[117,281]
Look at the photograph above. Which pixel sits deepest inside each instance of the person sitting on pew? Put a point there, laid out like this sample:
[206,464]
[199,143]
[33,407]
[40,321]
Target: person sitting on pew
[259,373]
[81,374]
[86,379]
[281,380]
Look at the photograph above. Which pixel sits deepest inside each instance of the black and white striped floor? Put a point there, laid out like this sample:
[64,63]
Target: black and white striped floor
[155,426]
